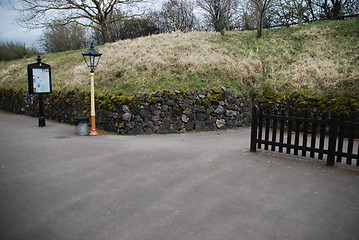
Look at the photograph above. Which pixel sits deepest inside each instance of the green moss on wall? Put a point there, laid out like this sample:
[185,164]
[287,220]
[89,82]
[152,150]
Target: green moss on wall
[302,100]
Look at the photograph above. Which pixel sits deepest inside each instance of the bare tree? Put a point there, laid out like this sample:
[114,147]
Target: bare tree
[178,15]
[261,7]
[334,9]
[297,8]
[59,38]
[248,22]
[89,13]
[289,12]
[131,27]
[247,14]
[219,13]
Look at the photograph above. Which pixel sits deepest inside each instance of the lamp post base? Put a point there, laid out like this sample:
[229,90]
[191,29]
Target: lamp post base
[42,121]
[93,131]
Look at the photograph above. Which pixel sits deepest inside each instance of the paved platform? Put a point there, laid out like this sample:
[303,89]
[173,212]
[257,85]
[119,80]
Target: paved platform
[206,186]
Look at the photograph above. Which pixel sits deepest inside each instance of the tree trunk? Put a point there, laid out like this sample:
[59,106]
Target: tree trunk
[259,25]
[222,33]
[105,33]
[300,18]
[301,11]
[336,10]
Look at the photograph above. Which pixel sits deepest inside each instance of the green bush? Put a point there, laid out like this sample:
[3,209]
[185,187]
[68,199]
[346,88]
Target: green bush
[15,50]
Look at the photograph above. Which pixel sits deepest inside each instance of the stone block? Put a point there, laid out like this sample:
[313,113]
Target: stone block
[189,125]
[136,131]
[184,118]
[127,117]
[178,125]
[165,127]
[200,126]
[220,123]
[144,113]
[220,110]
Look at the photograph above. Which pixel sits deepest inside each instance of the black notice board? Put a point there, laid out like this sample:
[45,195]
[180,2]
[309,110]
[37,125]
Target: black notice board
[39,78]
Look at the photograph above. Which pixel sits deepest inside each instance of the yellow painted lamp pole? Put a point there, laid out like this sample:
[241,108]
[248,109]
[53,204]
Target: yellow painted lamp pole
[92,57]
[93,131]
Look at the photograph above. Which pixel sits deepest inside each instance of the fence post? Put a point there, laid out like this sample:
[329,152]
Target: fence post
[254,126]
[332,138]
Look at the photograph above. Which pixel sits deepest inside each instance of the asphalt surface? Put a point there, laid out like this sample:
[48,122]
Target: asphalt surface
[56,185]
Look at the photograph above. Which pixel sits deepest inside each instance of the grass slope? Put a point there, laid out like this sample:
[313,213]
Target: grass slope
[321,57]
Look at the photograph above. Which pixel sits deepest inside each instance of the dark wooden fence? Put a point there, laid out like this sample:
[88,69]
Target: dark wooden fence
[326,136]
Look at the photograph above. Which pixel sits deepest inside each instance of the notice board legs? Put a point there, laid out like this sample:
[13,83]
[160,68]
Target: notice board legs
[41,111]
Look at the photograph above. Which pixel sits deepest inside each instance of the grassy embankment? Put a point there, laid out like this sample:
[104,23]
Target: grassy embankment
[322,57]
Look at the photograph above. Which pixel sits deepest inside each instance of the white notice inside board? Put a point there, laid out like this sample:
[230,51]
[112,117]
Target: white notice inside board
[41,80]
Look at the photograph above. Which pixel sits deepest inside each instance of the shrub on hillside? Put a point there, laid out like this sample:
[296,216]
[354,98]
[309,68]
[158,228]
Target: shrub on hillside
[15,50]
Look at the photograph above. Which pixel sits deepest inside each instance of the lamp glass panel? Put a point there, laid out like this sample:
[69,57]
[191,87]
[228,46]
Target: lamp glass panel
[96,60]
[87,60]
[92,61]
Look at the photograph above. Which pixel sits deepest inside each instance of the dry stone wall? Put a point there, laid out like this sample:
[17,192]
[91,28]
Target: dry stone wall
[159,112]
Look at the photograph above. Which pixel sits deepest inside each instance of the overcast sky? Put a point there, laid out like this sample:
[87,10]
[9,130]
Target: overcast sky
[10,31]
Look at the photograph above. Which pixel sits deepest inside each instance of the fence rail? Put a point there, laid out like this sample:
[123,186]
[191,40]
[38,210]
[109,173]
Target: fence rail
[330,137]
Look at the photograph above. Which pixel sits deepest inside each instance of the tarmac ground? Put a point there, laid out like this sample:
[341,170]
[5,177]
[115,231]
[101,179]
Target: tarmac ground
[56,185]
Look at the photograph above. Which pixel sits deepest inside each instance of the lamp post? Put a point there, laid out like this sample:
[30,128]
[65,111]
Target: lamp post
[92,57]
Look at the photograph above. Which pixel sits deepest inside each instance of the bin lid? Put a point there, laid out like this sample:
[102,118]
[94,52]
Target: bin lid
[81,119]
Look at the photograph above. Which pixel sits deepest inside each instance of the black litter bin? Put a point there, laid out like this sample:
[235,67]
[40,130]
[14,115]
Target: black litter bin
[82,128]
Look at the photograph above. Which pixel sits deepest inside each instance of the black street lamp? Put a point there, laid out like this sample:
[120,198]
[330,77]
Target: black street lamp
[92,57]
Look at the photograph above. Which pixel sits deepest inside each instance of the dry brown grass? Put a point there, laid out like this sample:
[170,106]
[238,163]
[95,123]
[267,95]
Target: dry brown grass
[321,57]
[176,57]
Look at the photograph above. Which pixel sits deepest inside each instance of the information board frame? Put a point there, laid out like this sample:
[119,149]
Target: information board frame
[39,78]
